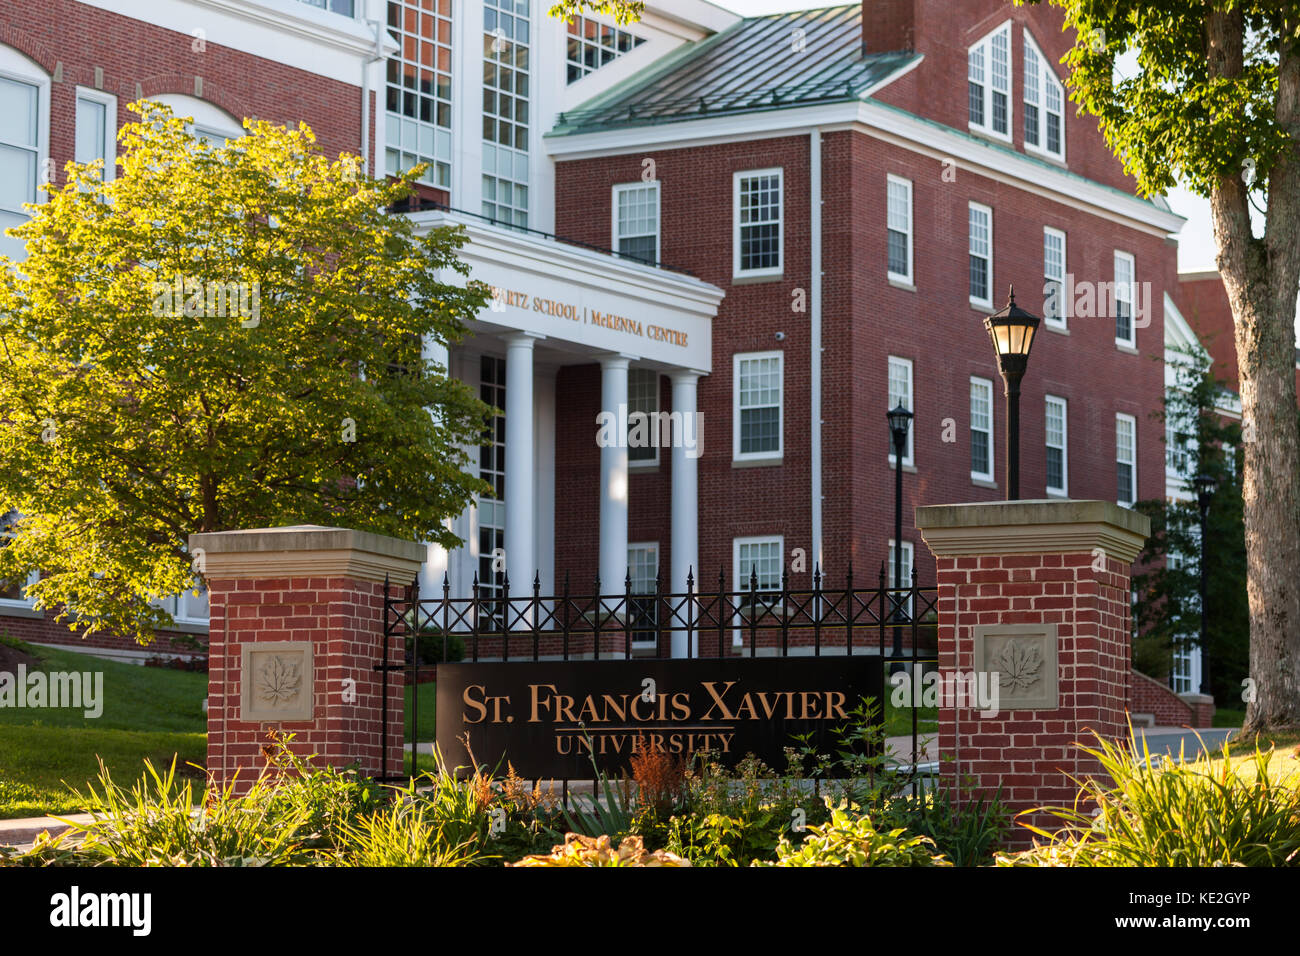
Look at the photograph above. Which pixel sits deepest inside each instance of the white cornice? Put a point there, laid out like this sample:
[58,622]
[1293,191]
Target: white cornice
[890,125]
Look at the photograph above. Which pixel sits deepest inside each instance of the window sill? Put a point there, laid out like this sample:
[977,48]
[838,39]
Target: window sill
[1058,495]
[983,308]
[1046,156]
[983,132]
[18,610]
[643,467]
[757,462]
[185,627]
[1126,349]
[907,469]
[984,483]
[746,279]
[902,284]
[1058,329]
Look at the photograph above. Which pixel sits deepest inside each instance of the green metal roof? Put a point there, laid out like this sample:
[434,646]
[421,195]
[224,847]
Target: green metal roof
[760,63]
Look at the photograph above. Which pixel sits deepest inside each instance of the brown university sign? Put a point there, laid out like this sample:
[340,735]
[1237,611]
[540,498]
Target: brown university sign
[539,716]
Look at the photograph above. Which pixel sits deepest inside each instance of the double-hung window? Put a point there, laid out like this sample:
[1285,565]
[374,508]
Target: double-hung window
[988,83]
[1057,418]
[1054,304]
[1044,104]
[980,229]
[24,109]
[1126,459]
[981,428]
[900,393]
[636,221]
[904,580]
[756,425]
[899,226]
[757,570]
[1125,333]
[643,571]
[96,136]
[757,223]
[643,416]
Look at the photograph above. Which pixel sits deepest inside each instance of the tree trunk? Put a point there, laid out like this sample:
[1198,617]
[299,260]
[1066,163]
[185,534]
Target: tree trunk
[1262,277]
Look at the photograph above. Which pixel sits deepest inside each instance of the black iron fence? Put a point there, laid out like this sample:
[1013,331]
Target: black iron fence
[492,624]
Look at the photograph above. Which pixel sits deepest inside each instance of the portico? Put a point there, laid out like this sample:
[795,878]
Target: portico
[555,306]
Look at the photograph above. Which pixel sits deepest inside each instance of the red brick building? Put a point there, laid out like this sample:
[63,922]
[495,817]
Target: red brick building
[785,225]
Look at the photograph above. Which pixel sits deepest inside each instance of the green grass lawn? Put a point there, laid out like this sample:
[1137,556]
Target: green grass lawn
[428,706]
[148,712]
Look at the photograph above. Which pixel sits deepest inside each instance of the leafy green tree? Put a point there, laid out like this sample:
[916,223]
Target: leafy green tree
[623,11]
[1168,605]
[1215,104]
[223,336]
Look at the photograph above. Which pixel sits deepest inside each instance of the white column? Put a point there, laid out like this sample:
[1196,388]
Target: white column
[520,491]
[613,478]
[436,559]
[687,446]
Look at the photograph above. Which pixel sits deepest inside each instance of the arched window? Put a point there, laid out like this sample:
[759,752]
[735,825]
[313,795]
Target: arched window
[209,123]
[24,141]
[1044,104]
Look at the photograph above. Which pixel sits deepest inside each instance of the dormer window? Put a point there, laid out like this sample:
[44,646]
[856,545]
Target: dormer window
[988,75]
[1044,104]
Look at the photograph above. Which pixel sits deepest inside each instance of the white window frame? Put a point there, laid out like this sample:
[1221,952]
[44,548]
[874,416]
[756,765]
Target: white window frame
[178,606]
[973,206]
[1064,490]
[1061,321]
[910,404]
[17,67]
[740,577]
[652,425]
[109,146]
[205,118]
[909,555]
[736,179]
[1121,256]
[653,548]
[908,276]
[985,46]
[736,453]
[1047,78]
[986,383]
[615,236]
[1133,468]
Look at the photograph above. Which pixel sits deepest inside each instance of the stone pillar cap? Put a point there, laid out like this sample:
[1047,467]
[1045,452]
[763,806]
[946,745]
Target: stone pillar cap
[1054,525]
[315,550]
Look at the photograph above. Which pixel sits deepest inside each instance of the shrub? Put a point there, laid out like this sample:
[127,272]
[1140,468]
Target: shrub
[719,840]
[967,834]
[853,840]
[579,850]
[1159,812]
[406,833]
[431,647]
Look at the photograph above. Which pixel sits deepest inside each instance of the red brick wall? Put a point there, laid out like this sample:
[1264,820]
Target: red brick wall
[937,88]
[1029,753]
[343,617]
[46,630]
[864,320]
[131,51]
[1148,696]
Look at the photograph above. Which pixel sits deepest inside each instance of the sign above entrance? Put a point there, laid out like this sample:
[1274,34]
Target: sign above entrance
[503,299]
[598,301]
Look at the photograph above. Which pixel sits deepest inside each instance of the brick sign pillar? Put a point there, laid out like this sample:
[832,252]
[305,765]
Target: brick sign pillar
[1034,596]
[296,626]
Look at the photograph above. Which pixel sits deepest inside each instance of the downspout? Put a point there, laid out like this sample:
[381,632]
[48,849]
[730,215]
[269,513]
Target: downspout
[815,342]
[366,157]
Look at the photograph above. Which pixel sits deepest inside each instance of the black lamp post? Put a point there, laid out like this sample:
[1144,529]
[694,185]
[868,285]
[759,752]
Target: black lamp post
[1205,486]
[1012,332]
[900,421]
